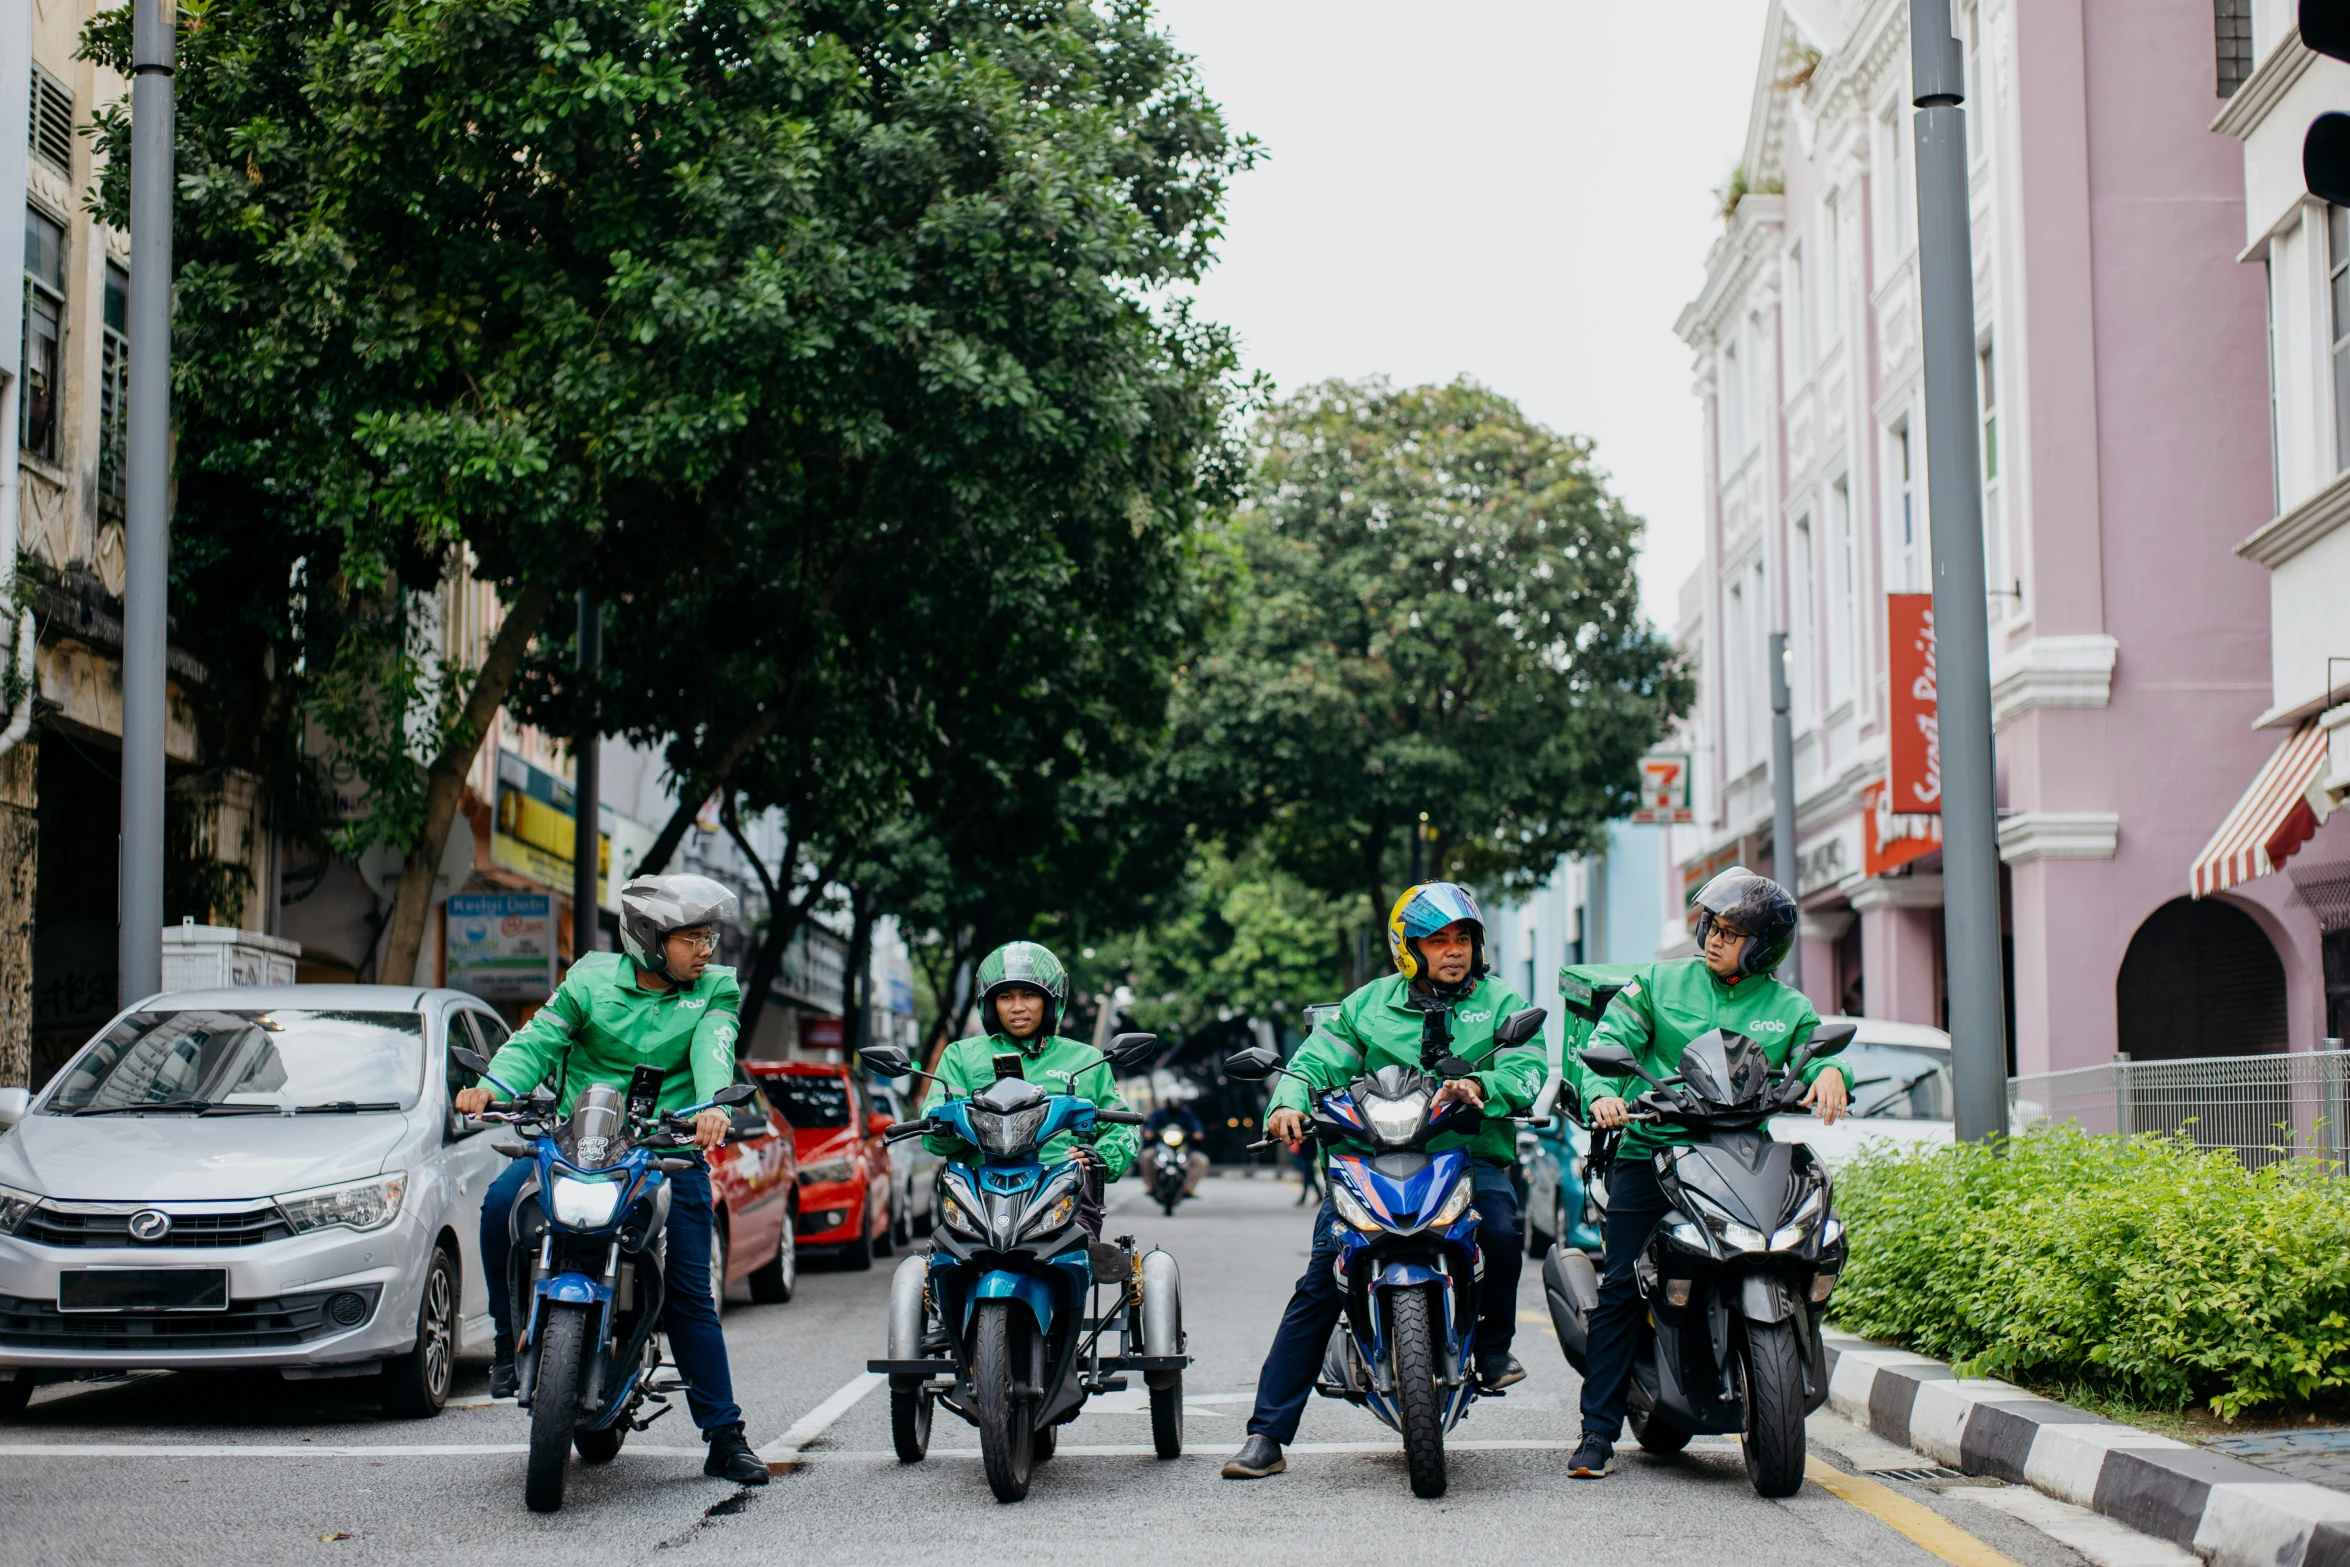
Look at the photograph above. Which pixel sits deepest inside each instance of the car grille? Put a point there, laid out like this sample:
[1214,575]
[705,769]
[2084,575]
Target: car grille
[286,1321]
[53,1226]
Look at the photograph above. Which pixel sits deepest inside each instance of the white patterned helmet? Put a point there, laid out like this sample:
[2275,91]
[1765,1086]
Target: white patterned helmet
[654,908]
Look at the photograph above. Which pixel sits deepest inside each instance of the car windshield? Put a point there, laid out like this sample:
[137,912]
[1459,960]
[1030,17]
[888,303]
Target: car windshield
[810,1104]
[280,1059]
[1899,1082]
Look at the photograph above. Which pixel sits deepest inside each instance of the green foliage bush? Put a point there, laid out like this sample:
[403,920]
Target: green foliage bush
[2141,1270]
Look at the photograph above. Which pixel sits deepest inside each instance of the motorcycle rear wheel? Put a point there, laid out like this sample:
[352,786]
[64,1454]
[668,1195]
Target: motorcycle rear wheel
[1411,1332]
[1656,1434]
[554,1406]
[1007,1439]
[1774,1433]
[909,1422]
[1167,1418]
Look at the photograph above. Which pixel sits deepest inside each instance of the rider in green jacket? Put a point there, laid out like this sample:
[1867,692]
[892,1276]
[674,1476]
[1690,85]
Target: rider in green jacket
[1439,1002]
[1745,926]
[1023,990]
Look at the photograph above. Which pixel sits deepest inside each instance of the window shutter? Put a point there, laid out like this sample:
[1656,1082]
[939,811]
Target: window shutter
[52,122]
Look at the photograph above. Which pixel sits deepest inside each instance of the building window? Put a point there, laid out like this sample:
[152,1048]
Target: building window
[1735,676]
[1905,520]
[1995,575]
[114,386]
[1844,569]
[2268,300]
[1806,613]
[1831,270]
[2338,274]
[1733,399]
[2231,33]
[1798,315]
[51,131]
[44,311]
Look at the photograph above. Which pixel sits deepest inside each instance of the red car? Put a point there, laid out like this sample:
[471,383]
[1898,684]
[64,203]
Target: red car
[844,1167]
[754,1179]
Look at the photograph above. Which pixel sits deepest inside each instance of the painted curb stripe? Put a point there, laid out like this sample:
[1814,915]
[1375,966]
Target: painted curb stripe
[1926,1528]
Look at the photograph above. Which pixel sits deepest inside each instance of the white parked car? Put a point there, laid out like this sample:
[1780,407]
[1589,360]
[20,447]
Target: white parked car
[256,1177]
[1901,1091]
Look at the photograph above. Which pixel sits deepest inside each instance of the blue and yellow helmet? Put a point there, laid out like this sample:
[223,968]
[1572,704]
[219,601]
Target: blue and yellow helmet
[1422,911]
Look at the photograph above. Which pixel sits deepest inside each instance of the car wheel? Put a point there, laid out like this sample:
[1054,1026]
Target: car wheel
[857,1255]
[416,1385]
[16,1391]
[885,1239]
[773,1284]
[718,1264]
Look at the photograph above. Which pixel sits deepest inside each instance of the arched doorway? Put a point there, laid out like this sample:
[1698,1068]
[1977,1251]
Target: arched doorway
[2200,979]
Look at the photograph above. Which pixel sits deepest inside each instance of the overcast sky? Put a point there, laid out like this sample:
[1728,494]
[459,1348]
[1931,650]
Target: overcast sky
[1516,190]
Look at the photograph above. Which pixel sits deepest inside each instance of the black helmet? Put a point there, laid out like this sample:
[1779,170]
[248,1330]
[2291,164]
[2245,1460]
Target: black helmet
[1758,906]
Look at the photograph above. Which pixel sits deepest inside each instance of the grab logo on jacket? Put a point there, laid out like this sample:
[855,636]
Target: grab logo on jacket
[1767,1025]
[1474,1017]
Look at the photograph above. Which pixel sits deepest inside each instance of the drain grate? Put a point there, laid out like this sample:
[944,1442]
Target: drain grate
[1929,1474]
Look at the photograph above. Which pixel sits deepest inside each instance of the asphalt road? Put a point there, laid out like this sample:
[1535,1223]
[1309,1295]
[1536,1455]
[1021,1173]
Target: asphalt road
[251,1470]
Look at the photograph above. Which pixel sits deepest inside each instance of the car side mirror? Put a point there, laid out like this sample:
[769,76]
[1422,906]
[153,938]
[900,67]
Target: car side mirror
[14,1103]
[1519,1027]
[733,1094]
[886,1060]
[877,1123]
[1131,1050]
[472,1060]
[1252,1065]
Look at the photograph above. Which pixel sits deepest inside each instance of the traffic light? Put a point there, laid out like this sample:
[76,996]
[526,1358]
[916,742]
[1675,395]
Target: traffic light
[2325,149]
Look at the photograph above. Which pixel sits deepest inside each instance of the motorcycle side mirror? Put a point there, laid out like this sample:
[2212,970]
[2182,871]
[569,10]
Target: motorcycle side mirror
[1252,1065]
[1519,1027]
[1453,1066]
[886,1060]
[1131,1050]
[733,1094]
[1616,1061]
[472,1060]
[1828,1039]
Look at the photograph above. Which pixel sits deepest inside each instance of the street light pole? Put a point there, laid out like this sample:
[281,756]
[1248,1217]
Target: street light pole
[147,523]
[1784,870]
[1962,635]
[587,794]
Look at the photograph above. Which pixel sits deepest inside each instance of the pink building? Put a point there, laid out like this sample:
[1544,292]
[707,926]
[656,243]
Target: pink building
[2124,396]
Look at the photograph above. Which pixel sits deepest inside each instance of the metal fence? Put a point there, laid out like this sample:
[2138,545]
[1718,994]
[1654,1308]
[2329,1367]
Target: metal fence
[2261,1108]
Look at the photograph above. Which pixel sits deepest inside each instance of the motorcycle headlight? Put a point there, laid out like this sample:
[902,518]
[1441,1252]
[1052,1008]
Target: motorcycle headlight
[1046,1220]
[842,1169]
[1396,1120]
[357,1205]
[15,1206]
[1173,1136]
[1351,1211]
[1454,1205]
[1800,1223]
[1688,1237]
[1006,1135]
[584,1205]
[1733,1235]
[959,1219]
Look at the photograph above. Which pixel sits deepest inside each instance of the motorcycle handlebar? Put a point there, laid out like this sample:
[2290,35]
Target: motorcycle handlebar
[899,1131]
[1120,1117]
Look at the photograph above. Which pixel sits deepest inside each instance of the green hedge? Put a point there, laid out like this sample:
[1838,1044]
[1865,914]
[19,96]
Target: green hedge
[2143,1270]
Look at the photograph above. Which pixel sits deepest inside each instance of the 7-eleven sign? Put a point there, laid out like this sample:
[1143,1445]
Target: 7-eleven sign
[1664,789]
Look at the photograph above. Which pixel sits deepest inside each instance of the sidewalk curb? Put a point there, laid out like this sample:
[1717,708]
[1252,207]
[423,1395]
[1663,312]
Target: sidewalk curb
[2222,1508]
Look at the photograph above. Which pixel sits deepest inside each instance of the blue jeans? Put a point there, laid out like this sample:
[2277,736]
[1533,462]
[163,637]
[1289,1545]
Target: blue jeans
[1634,1203]
[689,1315]
[1287,1379]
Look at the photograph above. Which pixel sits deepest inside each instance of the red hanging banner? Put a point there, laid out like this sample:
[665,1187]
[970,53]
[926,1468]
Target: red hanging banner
[1914,771]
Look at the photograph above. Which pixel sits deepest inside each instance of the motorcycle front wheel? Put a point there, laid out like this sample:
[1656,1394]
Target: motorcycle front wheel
[554,1405]
[1774,1409]
[1411,1330]
[1007,1439]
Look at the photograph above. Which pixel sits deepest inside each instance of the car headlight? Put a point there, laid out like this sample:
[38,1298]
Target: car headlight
[357,1205]
[15,1206]
[959,1219]
[842,1169]
[1350,1210]
[1455,1205]
[1800,1223]
[585,1205]
[1733,1235]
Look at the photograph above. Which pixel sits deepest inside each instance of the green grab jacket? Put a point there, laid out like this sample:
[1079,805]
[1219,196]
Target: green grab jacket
[1664,1007]
[1374,1028]
[600,1027]
[1056,1065]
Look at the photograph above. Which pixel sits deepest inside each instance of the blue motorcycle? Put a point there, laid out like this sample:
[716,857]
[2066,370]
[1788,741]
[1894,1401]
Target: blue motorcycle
[1002,1322]
[585,1272]
[1408,1259]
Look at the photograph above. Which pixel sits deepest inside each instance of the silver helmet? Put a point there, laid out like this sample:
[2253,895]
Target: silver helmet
[654,908]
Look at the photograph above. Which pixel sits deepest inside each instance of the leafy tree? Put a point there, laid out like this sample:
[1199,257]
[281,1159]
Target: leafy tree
[1246,939]
[1441,617]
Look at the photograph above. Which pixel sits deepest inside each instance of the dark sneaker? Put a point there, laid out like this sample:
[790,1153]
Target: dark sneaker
[1495,1372]
[1592,1460]
[731,1457]
[504,1383]
[1258,1457]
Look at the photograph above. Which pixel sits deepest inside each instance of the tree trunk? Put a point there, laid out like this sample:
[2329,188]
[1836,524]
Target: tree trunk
[445,782]
[1375,873]
[689,801]
[860,990]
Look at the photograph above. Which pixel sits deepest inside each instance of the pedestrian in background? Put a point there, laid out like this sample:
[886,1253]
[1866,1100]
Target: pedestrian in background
[1308,1174]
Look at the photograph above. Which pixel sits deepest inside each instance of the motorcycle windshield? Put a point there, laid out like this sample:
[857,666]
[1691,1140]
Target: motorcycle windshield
[1008,1133]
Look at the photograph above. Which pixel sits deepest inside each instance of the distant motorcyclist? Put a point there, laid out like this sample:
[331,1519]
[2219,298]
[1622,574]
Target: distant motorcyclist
[1745,926]
[1022,991]
[1440,991]
[1178,1114]
[661,1003]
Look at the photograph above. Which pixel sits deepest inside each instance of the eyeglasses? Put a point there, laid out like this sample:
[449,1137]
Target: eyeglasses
[1727,931]
[706,942]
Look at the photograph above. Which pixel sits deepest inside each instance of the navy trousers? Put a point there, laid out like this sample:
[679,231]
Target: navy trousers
[1287,1380]
[1634,1203]
[689,1314]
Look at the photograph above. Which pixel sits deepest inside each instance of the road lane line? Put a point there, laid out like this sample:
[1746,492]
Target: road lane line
[289,1450]
[1300,1449]
[784,1451]
[1928,1529]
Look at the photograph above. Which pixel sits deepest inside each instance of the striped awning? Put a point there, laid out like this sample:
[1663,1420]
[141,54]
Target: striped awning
[2274,818]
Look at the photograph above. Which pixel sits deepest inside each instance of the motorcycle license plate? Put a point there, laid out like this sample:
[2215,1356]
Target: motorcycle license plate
[143,1289]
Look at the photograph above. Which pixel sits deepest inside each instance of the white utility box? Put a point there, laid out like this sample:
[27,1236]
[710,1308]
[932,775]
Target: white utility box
[214,957]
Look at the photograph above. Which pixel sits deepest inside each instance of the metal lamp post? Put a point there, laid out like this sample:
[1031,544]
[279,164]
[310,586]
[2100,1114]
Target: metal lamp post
[587,795]
[1784,869]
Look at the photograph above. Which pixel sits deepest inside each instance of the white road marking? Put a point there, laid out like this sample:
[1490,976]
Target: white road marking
[785,1449]
[480,1401]
[1310,1449]
[291,1450]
